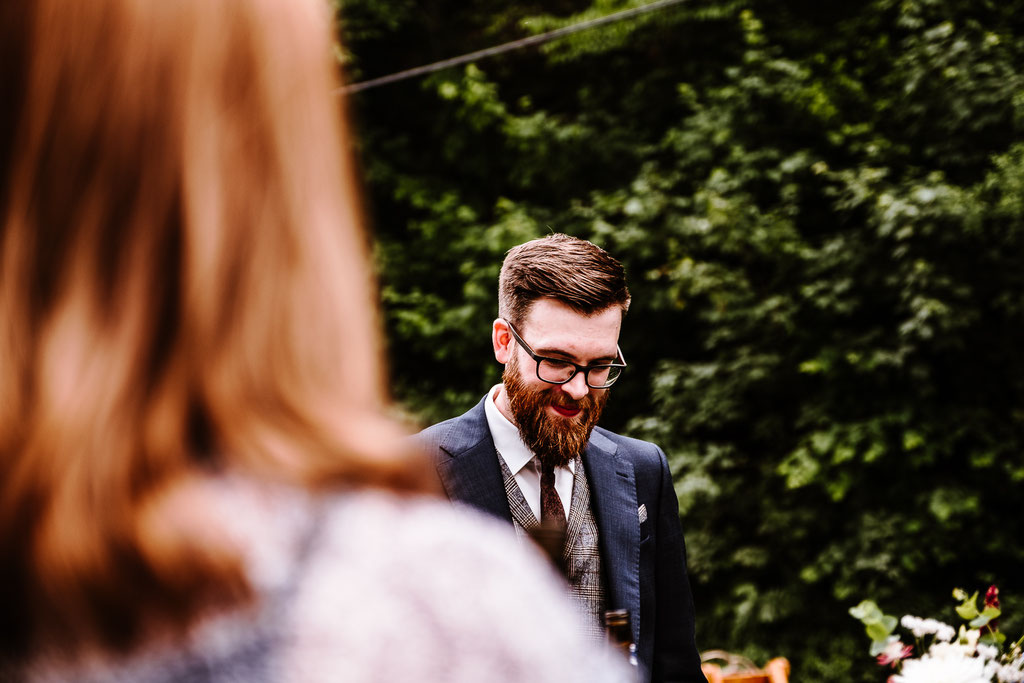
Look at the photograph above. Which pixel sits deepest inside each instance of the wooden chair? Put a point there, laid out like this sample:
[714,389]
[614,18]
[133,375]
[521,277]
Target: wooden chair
[738,669]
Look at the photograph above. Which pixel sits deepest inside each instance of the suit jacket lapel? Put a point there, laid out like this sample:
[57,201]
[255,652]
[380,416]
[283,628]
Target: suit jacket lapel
[472,474]
[614,501]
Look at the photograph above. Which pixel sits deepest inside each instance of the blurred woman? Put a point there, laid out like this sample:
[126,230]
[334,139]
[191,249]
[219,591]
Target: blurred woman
[197,480]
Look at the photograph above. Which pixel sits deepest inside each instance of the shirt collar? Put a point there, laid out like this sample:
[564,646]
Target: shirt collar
[506,436]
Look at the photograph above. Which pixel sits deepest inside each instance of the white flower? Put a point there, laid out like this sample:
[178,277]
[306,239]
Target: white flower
[931,670]
[911,623]
[987,651]
[924,627]
[946,651]
[1010,672]
[944,663]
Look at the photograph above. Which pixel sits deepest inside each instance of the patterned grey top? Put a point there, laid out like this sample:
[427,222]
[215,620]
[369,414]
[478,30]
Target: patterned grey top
[368,587]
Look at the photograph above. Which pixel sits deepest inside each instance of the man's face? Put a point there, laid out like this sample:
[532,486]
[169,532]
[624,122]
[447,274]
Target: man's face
[555,421]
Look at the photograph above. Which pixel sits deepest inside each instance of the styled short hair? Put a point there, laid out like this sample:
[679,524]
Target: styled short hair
[570,270]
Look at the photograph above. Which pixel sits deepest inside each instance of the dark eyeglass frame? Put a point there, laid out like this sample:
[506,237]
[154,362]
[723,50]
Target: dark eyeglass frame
[585,369]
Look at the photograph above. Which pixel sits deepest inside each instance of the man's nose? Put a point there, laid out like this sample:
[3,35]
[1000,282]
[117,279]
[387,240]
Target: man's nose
[576,387]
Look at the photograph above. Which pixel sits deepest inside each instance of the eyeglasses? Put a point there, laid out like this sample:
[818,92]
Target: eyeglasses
[560,371]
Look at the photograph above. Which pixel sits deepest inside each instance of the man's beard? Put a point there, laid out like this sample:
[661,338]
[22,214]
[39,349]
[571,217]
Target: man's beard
[554,440]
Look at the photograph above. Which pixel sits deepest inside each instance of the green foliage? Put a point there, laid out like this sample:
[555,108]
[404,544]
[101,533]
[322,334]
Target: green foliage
[821,210]
[878,626]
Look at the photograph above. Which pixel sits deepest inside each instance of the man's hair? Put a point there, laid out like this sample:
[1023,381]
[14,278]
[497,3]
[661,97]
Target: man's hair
[570,270]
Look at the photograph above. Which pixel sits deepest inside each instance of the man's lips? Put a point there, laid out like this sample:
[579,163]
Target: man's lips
[565,411]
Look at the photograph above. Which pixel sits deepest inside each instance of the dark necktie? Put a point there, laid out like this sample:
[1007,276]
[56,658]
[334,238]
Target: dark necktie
[552,513]
[550,533]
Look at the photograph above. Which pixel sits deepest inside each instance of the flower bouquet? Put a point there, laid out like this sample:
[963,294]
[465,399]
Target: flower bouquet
[974,653]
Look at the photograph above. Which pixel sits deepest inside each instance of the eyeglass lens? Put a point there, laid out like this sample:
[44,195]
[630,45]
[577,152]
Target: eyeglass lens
[597,377]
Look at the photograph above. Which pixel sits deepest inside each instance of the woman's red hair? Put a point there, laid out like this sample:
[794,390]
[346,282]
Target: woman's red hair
[184,289]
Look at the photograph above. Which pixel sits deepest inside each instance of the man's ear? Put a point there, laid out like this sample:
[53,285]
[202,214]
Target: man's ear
[501,339]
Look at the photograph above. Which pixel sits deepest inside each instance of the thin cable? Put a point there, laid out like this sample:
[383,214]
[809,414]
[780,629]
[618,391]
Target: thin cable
[538,39]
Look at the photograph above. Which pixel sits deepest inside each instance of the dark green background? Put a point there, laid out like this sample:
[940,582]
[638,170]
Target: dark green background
[820,206]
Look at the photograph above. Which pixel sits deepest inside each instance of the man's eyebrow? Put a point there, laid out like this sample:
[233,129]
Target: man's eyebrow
[563,355]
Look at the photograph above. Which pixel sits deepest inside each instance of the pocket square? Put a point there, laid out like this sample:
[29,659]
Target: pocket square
[642,512]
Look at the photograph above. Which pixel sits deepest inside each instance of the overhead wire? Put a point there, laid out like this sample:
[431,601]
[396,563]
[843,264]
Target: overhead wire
[529,41]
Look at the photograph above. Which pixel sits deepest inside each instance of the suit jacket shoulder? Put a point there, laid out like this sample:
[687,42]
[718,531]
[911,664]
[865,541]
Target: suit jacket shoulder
[648,461]
[456,434]
[642,452]
[463,452]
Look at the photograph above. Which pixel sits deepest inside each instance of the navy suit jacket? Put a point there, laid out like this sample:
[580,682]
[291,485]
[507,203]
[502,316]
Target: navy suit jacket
[644,563]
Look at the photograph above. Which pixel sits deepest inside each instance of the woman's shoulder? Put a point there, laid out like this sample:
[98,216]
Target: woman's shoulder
[368,586]
[408,588]
[397,527]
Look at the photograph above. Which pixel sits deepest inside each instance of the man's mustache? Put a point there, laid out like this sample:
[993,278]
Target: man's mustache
[562,401]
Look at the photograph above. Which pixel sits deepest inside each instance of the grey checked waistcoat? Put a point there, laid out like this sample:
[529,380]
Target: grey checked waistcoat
[581,555]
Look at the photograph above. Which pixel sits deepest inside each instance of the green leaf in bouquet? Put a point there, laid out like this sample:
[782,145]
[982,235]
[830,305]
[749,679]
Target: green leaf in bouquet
[985,617]
[866,611]
[991,612]
[880,630]
[879,646]
[967,612]
[979,621]
[968,609]
[993,638]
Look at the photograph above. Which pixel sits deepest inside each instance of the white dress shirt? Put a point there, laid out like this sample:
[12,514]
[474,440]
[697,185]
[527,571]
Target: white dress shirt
[522,462]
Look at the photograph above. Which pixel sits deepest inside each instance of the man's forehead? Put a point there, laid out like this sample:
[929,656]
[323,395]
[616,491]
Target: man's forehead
[554,326]
[548,307]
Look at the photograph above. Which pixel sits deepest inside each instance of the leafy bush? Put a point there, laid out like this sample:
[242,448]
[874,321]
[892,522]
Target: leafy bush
[821,210]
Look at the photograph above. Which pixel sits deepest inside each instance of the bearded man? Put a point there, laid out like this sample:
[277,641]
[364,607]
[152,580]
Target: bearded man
[530,452]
